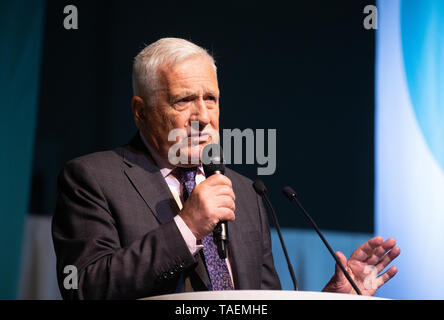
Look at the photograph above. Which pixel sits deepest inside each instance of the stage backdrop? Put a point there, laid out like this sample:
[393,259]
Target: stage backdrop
[410,143]
[21,33]
[303,68]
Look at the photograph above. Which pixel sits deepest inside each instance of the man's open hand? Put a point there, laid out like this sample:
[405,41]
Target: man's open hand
[364,265]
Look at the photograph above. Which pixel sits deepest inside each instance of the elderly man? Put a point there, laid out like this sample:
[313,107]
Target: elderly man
[135,225]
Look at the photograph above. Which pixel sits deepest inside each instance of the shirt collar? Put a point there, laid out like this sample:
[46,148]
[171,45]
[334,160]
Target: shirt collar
[165,167]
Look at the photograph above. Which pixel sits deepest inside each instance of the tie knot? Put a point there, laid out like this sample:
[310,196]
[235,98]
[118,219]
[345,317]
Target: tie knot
[185,175]
[187,178]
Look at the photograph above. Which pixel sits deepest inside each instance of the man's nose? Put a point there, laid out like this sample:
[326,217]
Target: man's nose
[201,113]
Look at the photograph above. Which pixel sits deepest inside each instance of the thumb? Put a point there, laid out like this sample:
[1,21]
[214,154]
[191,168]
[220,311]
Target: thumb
[338,272]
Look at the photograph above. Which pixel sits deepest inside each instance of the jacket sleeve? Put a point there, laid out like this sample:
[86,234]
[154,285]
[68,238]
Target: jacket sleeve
[270,278]
[85,236]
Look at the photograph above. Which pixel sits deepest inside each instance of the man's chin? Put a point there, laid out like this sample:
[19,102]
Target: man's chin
[195,154]
[192,154]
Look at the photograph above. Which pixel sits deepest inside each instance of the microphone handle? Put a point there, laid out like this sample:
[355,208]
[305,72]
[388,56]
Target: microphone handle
[278,229]
[220,234]
[350,280]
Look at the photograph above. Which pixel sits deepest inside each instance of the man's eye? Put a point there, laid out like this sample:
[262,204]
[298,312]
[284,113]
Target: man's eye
[182,102]
[185,100]
[211,98]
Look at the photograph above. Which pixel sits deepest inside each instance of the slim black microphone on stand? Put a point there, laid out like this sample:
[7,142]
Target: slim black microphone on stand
[260,189]
[291,195]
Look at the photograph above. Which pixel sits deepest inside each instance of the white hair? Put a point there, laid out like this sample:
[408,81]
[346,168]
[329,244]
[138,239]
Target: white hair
[148,61]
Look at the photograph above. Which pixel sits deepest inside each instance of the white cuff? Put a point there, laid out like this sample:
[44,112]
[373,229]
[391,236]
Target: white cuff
[187,235]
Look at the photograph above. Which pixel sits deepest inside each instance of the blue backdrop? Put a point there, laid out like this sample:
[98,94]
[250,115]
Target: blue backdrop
[409,142]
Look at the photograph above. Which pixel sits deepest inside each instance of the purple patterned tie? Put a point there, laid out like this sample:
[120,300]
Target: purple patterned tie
[217,267]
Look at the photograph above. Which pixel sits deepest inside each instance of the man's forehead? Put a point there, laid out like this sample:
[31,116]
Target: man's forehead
[192,88]
[190,85]
[194,69]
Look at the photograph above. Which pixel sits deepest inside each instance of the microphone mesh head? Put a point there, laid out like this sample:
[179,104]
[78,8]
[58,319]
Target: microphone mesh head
[259,187]
[212,159]
[212,168]
[289,193]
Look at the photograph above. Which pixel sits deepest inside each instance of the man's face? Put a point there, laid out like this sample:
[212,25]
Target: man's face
[188,91]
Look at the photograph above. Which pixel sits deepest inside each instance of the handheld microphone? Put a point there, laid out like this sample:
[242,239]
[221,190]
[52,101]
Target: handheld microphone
[292,196]
[214,165]
[260,189]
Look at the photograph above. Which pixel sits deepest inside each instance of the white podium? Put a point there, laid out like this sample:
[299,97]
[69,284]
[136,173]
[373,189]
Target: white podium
[260,295]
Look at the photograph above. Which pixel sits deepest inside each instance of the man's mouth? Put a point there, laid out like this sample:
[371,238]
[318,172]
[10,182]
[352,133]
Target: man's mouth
[199,138]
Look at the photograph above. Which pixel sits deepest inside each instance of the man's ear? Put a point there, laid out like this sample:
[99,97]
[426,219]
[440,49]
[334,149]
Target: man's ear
[138,107]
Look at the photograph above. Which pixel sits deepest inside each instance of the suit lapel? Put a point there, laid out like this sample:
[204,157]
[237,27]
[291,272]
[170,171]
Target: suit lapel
[147,179]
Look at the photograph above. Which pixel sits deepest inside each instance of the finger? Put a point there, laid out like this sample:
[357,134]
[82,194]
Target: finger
[226,191]
[343,260]
[380,251]
[386,276]
[388,258]
[218,179]
[225,202]
[365,250]
[225,214]
[341,257]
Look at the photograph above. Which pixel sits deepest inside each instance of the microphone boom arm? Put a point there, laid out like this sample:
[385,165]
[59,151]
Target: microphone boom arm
[291,195]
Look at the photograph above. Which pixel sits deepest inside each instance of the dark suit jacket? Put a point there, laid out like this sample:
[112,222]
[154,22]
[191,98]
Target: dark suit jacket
[114,223]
